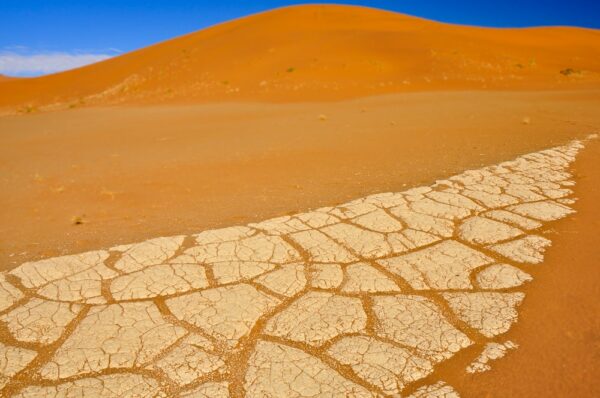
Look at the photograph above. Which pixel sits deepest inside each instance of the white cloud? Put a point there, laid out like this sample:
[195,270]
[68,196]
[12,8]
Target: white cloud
[14,64]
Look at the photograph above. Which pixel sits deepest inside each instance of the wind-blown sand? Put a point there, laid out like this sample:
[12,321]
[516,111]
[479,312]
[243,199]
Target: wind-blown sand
[305,107]
[137,172]
[369,298]
[317,53]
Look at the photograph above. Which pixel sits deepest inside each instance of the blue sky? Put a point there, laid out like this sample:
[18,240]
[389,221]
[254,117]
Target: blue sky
[42,36]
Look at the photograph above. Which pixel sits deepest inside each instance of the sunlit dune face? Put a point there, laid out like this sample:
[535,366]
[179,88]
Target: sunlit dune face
[322,53]
[315,201]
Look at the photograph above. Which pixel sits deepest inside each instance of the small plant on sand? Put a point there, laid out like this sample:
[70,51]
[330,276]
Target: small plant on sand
[80,102]
[28,109]
[78,220]
[290,70]
[569,71]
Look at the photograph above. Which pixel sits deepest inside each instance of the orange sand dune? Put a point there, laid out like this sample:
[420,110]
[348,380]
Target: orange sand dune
[306,53]
[82,179]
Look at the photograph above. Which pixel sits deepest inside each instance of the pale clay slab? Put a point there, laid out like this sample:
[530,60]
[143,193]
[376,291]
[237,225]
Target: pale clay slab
[350,300]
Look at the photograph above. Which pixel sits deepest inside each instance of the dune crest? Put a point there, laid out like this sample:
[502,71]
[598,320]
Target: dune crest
[308,53]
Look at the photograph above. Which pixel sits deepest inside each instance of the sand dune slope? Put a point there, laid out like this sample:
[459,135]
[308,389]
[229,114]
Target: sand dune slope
[322,53]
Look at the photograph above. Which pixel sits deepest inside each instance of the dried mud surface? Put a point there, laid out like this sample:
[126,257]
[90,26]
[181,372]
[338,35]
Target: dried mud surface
[386,295]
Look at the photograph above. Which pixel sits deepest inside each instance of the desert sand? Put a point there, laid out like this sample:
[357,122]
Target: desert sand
[368,298]
[237,124]
[317,53]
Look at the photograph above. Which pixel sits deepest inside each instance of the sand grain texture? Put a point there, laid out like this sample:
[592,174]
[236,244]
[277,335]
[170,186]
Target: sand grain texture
[267,117]
[405,308]
[317,53]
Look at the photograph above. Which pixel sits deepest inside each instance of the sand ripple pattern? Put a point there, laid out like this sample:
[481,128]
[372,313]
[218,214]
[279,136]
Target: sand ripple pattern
[364,299]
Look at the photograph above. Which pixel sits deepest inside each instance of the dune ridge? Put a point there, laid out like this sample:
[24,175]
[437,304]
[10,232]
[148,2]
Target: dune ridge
[323,53]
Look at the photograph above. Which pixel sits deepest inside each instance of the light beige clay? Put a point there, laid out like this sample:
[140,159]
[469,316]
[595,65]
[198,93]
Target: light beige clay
[360,299]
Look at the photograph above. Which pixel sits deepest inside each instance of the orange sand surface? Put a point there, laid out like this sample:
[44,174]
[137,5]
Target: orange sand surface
[303,107]
[559,324]
[131,173]
[321,53]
